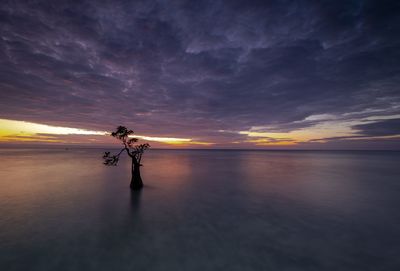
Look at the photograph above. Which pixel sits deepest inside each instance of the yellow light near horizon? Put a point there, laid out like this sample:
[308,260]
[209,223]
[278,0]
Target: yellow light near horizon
[318,131]
[14,130]
[163,139]
[267,142]
[189,143]
[8,127]
[173,140]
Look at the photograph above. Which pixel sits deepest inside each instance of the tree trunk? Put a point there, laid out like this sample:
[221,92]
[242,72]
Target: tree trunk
[136,181]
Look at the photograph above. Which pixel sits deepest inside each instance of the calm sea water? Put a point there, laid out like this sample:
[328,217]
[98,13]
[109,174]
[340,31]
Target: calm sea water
[200,210]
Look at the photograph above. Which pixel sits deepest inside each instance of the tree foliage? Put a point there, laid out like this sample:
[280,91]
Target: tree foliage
[134,151]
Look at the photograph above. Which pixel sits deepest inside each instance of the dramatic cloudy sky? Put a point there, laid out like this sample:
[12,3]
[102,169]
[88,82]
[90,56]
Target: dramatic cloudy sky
[301,74]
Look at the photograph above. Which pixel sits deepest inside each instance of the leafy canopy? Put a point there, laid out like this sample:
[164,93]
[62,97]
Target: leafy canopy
[134,151]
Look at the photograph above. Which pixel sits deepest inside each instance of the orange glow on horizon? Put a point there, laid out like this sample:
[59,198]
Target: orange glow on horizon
[269,142]
[22,131]
[13,131]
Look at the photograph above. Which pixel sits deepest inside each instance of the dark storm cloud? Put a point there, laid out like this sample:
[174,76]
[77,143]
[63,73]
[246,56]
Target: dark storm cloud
[389,127]
[191,68]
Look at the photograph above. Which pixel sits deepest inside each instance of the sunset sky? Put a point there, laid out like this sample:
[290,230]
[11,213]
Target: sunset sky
[202,74]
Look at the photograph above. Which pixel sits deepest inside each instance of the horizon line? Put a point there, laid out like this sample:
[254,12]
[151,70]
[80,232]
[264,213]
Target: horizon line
[67,147]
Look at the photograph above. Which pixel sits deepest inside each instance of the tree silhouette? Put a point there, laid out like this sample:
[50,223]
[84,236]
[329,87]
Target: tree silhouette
[134,151]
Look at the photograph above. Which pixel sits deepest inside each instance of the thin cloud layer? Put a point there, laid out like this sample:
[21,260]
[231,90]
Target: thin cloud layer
[204,70]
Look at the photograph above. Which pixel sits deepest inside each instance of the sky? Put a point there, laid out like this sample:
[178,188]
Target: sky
[202,74]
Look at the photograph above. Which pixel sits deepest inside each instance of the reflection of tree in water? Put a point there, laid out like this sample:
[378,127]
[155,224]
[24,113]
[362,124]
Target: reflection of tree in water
[135,201]
[120,231]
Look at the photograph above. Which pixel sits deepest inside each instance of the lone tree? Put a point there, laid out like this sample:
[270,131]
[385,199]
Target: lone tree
[134,151]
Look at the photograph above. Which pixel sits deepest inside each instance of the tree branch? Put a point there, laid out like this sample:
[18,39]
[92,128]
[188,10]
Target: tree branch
[122,133]
[111,160]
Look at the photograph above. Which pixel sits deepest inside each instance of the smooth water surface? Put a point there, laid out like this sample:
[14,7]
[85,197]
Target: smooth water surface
[200,210]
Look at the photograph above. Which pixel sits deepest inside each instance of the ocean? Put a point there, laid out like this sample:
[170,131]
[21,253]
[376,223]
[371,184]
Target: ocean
[62,209]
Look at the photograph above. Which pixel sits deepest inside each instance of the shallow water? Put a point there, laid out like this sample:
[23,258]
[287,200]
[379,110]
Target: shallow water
[200,210]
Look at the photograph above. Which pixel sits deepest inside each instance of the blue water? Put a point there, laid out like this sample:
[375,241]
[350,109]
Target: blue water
[200,210]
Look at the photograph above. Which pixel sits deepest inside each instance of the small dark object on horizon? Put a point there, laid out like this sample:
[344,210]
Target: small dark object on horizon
[134,151]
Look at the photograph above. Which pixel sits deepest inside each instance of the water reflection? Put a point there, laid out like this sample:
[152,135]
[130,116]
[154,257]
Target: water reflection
[200,210]
[135,201]
[315,179]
